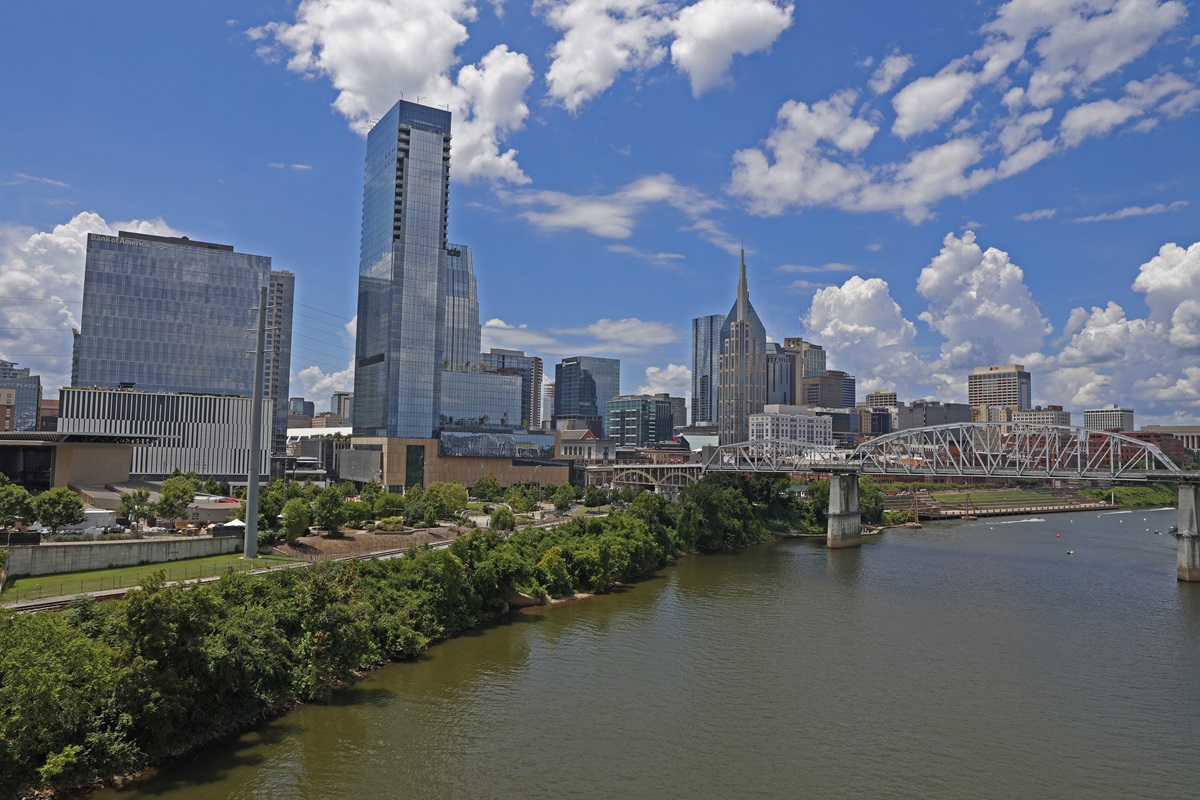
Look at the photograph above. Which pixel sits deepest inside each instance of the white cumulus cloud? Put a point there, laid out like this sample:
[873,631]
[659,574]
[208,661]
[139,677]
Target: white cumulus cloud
[674,379]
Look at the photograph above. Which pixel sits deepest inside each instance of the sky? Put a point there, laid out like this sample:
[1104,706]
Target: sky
[920,186]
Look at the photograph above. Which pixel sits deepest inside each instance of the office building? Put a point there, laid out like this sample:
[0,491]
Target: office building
[638,420]
[779,375]
[8,409]
[849,383]
[808,360]
[678,408]
[791,423]
[927,413]
[169,314]
[48,415]
[342,404]
[706,367]
[880,399]
[827,391]
[205,434]
[742,389]
[997,393]
[299,407]
[26,395]
[477,400]
[583,385]
[1050,415]
[1108,418]
[873,421]
[530,370]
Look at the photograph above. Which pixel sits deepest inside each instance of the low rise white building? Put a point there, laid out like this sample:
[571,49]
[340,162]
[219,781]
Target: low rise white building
[1109,418]
[1050,415]
[791,424]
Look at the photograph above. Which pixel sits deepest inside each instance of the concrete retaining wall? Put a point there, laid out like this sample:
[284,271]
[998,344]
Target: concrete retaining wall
[49,559]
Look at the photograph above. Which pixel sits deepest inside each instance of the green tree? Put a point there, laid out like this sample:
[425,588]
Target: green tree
[503,519]
[487,488]
[564,496]
[211,486]
[329,511]
[14,502]
[176,494]
[594,497]
[445,498]
[370,492]
[520,500]
[358,512]
[136,505]
[57,507]
[870,500]
[297,514]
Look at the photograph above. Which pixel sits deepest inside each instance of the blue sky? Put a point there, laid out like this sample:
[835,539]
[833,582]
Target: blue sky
[921,186]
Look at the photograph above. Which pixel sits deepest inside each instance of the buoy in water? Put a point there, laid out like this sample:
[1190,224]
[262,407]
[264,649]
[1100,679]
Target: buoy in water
[1070,552]
[1058,536]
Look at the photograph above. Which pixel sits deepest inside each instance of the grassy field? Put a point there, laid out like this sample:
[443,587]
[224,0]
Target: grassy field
[34,587]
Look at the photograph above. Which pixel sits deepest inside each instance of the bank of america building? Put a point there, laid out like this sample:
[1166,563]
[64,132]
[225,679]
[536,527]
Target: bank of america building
[170,315]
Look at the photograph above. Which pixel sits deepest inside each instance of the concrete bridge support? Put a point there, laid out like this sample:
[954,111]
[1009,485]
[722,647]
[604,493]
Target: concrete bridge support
[1188,536]
[845,517]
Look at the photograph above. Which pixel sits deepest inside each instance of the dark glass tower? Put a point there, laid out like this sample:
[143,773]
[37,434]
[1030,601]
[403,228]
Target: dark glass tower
[743,387]
[706,368]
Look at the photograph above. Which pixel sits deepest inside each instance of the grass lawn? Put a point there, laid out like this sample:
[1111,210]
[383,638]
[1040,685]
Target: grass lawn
[33,587]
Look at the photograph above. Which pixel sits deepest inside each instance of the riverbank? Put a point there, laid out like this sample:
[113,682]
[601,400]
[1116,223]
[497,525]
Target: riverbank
[106,689]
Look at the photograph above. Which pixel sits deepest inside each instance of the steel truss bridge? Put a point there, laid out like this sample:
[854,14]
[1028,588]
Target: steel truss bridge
[994,450]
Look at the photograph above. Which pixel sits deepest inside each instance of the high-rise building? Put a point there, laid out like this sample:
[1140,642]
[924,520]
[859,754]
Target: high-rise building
[997,393]
[638,420]
[1109,418]
[678,408]
[927,413]
[827,391]
[849,391]
[1050,415]
[170,314]
[547,403]
[529,368]
[779,375]
[8,409]
[706,367]
[583,385]
[807,361]
[342,404]
[400,341]
[26,395]
[299,407]
[742,390]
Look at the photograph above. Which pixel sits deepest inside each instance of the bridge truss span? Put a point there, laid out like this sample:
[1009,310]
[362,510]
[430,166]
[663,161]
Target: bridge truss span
[771,455]
[1014,450]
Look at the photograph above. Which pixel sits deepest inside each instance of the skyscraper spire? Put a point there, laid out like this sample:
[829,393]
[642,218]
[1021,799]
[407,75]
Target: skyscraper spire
[743,296]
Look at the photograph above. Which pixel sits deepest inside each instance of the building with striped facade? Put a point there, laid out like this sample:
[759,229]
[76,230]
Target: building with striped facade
[202,433]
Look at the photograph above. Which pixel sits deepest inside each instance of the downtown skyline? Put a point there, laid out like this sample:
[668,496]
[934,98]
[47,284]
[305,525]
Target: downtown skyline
[934,189]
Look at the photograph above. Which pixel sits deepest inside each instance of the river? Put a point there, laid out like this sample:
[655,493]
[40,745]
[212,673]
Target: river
[968,659]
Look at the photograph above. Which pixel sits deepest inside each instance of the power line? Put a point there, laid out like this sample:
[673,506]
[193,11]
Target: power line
[323,311]
[45,300]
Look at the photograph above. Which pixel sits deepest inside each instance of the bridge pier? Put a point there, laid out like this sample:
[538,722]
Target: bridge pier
[844,528]
[1188,536]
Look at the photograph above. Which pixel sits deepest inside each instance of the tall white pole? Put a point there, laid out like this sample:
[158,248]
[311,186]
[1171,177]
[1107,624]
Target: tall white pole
[250,548]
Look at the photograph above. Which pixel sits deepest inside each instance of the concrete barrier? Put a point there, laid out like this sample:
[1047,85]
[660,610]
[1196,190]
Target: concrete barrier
[50,559]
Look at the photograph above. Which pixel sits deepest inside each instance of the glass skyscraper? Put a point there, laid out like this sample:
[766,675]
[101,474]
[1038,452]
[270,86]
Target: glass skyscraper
[583,385]
[167,314]
[27,396]
[706,368]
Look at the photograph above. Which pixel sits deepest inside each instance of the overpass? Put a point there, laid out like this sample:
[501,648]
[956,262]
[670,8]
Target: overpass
[991,450]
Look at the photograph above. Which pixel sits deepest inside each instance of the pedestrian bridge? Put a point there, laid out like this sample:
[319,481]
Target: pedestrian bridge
[989,450]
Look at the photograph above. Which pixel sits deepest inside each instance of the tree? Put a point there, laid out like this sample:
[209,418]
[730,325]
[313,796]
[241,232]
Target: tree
[519,500]
[176,494]
[389,504]
[370,492]
[445,498]
[329,511]
[57,507]
[136,505]
[211,486]
[487,488]
[503,519]
[297,514]
[14,502]
[564,496]
[594,497]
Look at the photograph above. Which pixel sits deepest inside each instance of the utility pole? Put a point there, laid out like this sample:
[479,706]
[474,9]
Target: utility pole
[250,547]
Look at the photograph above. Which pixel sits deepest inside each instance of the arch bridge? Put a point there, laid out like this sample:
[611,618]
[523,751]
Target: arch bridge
[971,449]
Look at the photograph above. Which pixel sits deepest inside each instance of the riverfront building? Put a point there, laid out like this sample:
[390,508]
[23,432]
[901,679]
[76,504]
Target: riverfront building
[169,314]
[742,390]
[638,420]
[205,434]
[997,393]
[706,368]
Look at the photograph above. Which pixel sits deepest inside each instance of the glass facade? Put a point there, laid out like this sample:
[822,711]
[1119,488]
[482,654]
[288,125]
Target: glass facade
[638,420]
[706,367]
[27,394]
[779,375]
[583,385]
[479,399]
[496,445]
[418,313]
[529,368]
[170,314]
